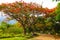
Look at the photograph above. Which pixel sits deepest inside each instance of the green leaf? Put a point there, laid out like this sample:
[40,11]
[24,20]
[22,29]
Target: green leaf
[58,17]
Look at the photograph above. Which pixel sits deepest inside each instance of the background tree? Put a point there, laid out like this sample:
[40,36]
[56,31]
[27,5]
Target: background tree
[57,18]
[22,12]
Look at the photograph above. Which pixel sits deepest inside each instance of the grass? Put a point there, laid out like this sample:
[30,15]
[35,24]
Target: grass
[15,38]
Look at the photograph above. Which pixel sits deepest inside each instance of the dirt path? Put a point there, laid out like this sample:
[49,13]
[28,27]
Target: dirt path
[46,37]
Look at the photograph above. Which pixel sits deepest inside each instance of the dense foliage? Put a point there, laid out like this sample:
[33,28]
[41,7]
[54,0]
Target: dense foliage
[33,17]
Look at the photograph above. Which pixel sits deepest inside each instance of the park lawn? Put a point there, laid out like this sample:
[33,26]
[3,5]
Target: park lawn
[15,38]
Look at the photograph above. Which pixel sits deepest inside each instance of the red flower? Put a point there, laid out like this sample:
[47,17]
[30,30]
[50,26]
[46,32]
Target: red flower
[17,10]
[32,7]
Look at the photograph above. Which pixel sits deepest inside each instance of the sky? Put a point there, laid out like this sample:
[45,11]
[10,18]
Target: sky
[2,16]
[12,21]
[45,3]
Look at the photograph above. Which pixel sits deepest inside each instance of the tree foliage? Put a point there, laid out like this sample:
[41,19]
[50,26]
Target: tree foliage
[27,14]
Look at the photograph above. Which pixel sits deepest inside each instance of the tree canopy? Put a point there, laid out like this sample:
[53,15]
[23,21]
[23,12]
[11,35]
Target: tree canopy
[26,13]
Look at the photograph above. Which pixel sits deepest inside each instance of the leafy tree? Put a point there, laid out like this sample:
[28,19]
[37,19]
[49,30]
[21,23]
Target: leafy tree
[25,13]
[3,26]
[57,12]
[57,18]
[22,12]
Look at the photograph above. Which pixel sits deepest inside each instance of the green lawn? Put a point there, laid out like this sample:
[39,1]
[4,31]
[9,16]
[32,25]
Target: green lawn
[15,38]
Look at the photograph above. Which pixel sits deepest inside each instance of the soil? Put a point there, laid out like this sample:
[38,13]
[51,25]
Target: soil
[46,37]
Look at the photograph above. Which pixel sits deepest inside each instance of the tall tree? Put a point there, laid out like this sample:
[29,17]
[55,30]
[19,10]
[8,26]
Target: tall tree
[25,13]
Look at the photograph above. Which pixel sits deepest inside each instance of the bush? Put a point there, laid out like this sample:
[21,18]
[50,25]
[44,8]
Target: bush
[15,30]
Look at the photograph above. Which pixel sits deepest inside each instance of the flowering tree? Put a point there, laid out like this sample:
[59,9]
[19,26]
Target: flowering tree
[25,13]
